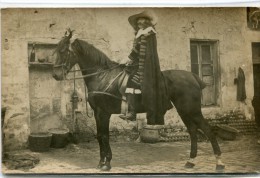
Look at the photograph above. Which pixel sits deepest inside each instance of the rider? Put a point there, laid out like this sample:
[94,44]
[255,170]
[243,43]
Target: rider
[146,77]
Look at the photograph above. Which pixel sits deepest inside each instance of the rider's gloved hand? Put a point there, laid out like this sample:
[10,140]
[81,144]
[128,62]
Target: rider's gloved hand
[126,62]
[129,62]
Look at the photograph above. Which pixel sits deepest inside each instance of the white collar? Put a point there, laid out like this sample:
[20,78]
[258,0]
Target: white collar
[144,31]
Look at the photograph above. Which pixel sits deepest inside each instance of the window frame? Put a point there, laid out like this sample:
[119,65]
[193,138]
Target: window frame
[214,54]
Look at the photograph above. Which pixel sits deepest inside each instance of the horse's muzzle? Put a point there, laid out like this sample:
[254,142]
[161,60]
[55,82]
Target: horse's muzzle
[58,74]
[57,77]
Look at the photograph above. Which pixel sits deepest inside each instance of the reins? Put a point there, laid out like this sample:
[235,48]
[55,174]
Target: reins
[95,92]
[92,74]
[64,66]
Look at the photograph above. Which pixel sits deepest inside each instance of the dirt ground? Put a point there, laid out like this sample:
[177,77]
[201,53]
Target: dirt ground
[239,156]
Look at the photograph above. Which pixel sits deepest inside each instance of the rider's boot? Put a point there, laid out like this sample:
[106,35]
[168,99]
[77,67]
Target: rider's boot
[131,115]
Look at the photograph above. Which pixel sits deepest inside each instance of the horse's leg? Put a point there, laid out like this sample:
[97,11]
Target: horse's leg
[207,129]
[192,129]
[185,111]
[99,138]
[102,121]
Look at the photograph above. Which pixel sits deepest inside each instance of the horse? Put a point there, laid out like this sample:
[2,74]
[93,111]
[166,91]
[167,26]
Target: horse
[184,90]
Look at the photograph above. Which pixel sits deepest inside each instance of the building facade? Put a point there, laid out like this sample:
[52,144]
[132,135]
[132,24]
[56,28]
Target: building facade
[212,42]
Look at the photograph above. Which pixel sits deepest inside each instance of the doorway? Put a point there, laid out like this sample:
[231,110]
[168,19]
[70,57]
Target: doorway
[204,63]
[256,77]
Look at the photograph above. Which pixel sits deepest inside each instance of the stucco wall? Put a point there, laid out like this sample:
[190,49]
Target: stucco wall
[108,30]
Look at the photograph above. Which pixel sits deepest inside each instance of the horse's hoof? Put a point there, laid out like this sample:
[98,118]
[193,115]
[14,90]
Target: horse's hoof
[105,167]
[220,167]
[99,166]
[189,165]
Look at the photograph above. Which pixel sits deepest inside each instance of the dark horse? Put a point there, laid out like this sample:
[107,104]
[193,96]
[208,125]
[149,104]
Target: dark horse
[184,90]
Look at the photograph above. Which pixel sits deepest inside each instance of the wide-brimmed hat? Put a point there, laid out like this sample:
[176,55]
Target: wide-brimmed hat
[145,14]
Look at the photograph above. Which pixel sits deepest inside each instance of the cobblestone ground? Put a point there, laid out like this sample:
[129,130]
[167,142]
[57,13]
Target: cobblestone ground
[239,156]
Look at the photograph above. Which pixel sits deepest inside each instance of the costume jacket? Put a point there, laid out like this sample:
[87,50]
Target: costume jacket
[148,77]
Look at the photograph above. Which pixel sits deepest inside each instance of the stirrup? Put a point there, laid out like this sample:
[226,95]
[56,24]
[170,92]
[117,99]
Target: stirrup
[129,116]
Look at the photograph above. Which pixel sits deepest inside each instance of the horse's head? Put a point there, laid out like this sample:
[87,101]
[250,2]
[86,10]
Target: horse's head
[65,58]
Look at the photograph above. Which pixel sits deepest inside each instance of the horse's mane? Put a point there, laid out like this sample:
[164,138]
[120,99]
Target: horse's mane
[61,45]
[96,56]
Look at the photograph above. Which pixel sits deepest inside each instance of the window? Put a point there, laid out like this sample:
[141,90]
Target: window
[204,63]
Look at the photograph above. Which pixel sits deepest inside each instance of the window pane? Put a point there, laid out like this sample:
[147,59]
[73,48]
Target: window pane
[209,80]
[194,54]
[195,68]
[205,54]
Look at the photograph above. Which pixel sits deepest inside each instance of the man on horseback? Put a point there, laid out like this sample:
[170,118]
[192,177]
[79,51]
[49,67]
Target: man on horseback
[145,76]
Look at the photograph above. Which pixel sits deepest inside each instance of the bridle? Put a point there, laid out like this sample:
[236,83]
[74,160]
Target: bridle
[66,66]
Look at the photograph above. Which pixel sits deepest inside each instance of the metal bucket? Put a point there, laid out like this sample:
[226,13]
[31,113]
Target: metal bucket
[39,142]
[150,134]
[59,137]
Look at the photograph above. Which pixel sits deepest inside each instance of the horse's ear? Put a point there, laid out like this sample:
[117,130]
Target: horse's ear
[69,32]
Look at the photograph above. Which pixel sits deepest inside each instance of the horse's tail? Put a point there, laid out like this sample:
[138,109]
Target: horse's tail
[201,83]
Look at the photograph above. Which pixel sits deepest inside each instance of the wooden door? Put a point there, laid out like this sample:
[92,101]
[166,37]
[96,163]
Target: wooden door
[256,68]
[204,64]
